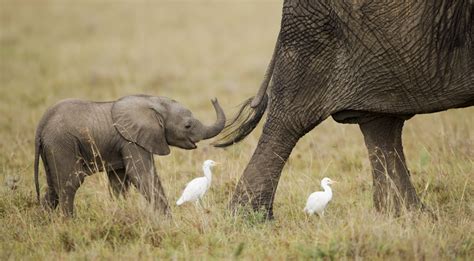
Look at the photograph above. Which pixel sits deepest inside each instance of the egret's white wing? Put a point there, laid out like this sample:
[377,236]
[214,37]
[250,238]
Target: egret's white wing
[316,202]
[194,189]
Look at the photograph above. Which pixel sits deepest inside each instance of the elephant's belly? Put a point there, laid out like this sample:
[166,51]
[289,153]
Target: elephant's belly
[101,160]
[100,154]
[391,91]
[116,165]
[99,165]
[110,163]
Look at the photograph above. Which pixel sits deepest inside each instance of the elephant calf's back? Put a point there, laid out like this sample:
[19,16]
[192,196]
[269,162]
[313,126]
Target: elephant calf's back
[74,124]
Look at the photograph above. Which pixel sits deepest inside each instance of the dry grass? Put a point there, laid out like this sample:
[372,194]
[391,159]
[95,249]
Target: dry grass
[193,51]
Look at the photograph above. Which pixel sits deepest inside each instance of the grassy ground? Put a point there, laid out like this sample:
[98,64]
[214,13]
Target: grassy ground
[193,51]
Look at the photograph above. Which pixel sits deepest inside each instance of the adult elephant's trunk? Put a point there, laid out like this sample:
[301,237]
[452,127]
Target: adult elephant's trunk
[212,130]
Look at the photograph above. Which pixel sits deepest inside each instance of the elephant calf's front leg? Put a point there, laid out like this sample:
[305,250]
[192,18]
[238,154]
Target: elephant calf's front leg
[140,168]
[392,186]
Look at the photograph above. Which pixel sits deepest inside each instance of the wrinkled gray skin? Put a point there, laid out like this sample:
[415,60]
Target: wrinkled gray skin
[76,138]
[372,63]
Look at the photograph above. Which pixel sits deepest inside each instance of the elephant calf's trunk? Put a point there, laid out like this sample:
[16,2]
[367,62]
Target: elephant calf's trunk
[218,126]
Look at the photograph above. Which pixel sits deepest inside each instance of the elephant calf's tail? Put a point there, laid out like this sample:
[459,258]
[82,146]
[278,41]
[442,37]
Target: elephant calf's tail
[243,123]
[36,166]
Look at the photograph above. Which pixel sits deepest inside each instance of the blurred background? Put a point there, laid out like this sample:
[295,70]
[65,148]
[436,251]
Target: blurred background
[193,51]
[102,50]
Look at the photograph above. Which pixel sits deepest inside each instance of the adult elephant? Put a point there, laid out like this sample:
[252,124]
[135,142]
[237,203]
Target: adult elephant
[373,63]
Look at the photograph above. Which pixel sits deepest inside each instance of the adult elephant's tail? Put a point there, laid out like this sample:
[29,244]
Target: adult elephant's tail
[251,111]
[243,123]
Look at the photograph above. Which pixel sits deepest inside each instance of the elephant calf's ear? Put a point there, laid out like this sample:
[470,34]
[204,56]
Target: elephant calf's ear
[138,121]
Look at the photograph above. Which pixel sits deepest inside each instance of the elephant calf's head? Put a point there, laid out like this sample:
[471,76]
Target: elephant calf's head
[155,123]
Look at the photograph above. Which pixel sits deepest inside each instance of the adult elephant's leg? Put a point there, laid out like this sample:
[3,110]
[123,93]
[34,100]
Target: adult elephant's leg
[140,168]
[391,178]
[258,184]
[119,182]
[294,109]
[299,98]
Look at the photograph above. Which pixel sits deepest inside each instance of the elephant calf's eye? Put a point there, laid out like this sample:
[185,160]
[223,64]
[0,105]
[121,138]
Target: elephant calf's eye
[187,126]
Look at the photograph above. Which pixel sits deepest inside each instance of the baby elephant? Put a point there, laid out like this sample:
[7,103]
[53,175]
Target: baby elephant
[76,138]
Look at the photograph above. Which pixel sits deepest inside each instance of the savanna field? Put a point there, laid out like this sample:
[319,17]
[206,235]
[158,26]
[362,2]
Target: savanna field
[193,51]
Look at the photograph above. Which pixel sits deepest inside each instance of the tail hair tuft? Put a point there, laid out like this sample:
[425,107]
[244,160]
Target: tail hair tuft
[243,123]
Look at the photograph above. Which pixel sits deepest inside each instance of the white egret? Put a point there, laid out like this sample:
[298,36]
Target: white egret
[196,189]
[318,201]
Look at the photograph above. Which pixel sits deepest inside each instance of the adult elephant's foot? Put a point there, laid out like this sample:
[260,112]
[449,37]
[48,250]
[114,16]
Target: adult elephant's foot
[256,188]
[247,199]
[393,190]
[392,195]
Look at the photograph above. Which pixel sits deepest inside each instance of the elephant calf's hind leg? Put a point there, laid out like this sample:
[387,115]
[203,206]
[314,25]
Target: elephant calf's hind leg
[68,190]
[392,186]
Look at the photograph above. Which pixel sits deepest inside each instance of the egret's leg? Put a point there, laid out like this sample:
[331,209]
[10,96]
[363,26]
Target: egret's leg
[198,203]
[201,203]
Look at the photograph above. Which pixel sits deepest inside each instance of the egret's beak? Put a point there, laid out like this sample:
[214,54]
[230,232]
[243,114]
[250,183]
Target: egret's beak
[332,182]
[217,163]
